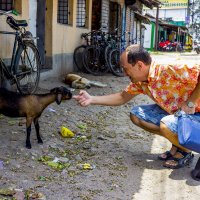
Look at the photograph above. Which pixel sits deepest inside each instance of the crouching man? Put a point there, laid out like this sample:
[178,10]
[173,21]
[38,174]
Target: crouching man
[171,87]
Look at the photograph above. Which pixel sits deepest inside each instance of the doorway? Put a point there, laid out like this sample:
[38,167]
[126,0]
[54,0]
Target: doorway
[96,14]
[114,17]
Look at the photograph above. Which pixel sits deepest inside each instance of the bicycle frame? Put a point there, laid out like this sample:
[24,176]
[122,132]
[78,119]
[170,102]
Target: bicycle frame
[14,47]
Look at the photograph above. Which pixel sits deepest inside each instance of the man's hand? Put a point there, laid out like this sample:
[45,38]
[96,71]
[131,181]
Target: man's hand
[186,109]
[83,98]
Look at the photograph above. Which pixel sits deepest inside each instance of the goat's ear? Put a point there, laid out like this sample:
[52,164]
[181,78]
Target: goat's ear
[59,98]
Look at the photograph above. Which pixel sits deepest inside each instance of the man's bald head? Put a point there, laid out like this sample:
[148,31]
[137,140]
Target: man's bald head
[137,53]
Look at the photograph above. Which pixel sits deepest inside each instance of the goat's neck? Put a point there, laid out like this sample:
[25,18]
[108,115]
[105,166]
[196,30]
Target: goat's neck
[47,99]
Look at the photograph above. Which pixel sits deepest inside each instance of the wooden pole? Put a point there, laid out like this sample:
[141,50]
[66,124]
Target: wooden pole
[156,31]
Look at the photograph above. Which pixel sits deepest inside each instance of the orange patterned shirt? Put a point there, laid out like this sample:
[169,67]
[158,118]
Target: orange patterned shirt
[168,85]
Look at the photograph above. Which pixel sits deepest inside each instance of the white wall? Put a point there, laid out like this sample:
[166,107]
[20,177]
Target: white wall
[32,16]
[176,14]
[147,36]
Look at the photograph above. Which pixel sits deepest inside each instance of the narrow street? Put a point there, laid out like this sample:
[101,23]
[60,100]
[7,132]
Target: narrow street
[107,159]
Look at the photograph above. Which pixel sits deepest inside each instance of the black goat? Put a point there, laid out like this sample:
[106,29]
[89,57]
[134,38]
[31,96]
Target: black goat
[13,104]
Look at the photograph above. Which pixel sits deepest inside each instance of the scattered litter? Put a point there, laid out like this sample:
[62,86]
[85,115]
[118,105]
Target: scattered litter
[81,137]
[19,195]
[54,163]
[12,122]
[1,164]
[65,132]
[86,166]
[82,126]
[7,192]
[72,89]
[42,178]
[61,159]
[101,137]
[38,195]
[55,160]
[51,110]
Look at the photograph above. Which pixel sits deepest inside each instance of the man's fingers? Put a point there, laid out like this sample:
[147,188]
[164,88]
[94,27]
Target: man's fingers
[75,97]
[81,92]
[82,101]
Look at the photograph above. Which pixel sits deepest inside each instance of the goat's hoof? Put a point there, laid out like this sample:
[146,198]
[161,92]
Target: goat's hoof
[40,142]
[28,146]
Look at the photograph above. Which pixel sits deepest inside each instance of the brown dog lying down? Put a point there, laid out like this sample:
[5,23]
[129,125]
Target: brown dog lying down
[78,82]
[13,104]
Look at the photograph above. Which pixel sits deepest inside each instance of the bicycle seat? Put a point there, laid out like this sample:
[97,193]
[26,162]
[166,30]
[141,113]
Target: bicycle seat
[16,24]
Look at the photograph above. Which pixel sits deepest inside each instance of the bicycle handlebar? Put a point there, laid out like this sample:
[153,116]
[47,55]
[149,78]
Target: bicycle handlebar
[14,12]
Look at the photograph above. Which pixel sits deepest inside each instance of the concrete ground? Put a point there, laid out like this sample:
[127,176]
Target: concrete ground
[123,157]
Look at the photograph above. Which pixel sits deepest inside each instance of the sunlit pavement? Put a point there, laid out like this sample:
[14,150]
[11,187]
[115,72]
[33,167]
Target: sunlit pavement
[167,184]
[170,57]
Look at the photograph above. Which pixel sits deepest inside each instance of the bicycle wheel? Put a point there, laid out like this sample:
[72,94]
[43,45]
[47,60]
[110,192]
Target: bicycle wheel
[78,58]
[114,63]
[94,62]
[2,74]
[27,68]
[106,54]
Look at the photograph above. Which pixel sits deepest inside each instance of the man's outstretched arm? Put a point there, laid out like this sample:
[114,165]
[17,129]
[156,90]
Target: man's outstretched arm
[115,99]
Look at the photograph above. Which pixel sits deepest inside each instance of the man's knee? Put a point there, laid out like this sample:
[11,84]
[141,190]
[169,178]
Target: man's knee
[135,120]
[144,125]
[164,130]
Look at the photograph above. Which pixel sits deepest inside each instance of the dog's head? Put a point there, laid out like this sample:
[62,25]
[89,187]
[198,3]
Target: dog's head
[62,93]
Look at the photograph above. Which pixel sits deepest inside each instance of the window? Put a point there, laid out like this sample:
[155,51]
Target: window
[81,13]
[63,12]
[6,5]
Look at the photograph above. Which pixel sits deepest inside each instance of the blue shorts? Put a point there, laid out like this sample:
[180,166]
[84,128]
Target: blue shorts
[155,114]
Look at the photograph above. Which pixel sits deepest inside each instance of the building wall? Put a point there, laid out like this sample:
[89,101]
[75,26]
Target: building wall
[65,38]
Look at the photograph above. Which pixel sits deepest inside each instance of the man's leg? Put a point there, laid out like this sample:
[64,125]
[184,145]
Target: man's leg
[169,129]
[161,130]
[172,137]
[152,128]
[145,125]
[148,117]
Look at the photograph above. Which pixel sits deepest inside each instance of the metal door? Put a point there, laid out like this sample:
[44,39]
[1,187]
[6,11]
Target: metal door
[41,10]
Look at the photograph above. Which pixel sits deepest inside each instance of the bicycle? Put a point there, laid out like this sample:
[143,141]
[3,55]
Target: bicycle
[114,55]
[24,69]
[93,56]
[78,52]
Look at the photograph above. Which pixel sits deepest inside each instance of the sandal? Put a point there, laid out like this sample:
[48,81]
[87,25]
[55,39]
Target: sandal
[167,155]
[176,163]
